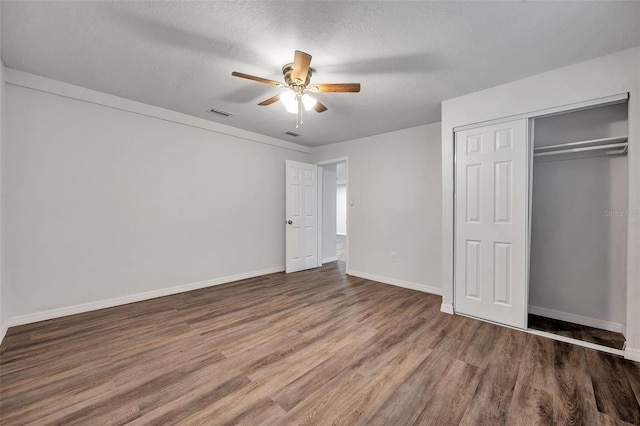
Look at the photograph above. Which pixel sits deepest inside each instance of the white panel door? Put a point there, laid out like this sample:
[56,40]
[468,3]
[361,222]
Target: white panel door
[301,226]
[491,222]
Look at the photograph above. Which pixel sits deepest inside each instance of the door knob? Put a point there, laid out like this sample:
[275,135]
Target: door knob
[290,222]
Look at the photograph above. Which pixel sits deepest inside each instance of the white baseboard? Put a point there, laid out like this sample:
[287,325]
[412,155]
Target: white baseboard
[577,319]
[329,259]
[632,354]
[101,304]
[398,283]
[446,308]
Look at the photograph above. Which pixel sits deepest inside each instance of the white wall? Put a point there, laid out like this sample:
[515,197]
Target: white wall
[594,123]
[329,211]
[578,262]
[393,180]
[578,252]
[341,173]
[104,203]
[597,78]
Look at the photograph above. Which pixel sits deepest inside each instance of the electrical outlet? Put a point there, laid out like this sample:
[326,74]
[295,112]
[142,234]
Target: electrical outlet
[392,256]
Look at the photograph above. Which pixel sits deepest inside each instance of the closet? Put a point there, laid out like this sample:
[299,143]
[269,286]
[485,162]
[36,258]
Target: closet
[540,222]
[577,272]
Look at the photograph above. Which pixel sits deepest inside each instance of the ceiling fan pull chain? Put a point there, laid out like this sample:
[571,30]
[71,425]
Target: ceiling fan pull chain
[301,109]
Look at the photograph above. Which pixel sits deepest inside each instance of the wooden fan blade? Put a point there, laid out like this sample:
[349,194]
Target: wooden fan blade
[254,78]
[301,62]
[338,87]
[319,107]
[270,101]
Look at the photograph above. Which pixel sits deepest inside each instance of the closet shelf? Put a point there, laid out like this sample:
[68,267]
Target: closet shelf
[615,146]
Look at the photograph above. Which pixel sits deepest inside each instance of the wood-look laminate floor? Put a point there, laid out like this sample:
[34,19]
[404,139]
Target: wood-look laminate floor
[315,347]
[577,331]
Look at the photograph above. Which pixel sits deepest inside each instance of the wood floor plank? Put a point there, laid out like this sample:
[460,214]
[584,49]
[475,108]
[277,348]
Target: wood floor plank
[326,400]
[606,420]
[533,397]
[316,347]
[198,401]
[249,402]
[296,391]
[450,402]
[574,399]
[361,407]
[613,393]
[632,371]
[577,331]
[494,394]
[408,400]
[481,344]
[296,360]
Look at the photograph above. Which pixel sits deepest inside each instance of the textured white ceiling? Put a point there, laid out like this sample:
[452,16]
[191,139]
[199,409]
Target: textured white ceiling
[408,56]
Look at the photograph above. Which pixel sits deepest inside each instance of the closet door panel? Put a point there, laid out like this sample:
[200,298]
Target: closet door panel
[502,192]
[491,218]
[472,269]
[474,196]
[502,273]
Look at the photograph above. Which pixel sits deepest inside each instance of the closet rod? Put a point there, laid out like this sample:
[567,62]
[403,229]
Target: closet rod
[586,148]
[608,141]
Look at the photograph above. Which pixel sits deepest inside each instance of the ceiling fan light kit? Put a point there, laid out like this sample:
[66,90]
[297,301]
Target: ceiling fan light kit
[292,107]
[288,97]
[308,101]
[297,76]
[290,100]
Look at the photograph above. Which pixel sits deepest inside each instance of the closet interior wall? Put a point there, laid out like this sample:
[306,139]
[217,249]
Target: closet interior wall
[579,223]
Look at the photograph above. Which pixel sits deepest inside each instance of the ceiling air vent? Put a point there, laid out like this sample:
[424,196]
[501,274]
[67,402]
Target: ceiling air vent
[219,112]
[294,134]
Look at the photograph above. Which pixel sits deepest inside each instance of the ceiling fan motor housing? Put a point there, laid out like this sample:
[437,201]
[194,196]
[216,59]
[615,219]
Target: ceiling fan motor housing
[295,85]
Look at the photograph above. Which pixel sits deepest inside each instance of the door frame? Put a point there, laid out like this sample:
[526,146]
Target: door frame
[320,164]
[449,269]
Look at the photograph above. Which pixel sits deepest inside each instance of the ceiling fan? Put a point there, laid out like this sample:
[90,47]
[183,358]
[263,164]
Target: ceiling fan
[297,78]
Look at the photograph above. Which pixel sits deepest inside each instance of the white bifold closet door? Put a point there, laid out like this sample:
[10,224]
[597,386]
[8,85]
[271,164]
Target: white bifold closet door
[491,221]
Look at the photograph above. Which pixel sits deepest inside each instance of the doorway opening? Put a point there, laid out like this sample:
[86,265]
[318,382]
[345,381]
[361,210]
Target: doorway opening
[333,201]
